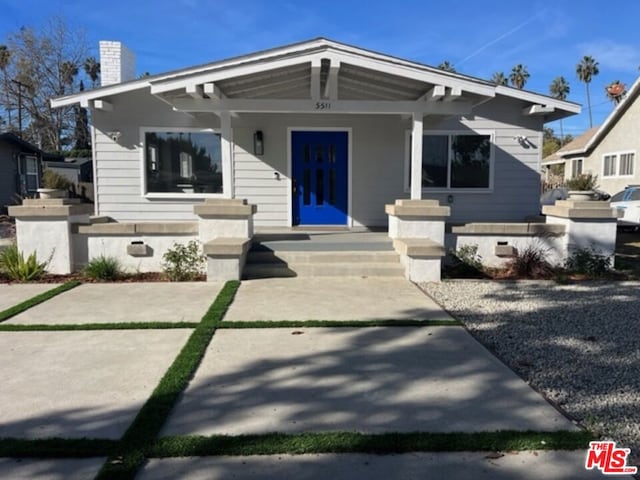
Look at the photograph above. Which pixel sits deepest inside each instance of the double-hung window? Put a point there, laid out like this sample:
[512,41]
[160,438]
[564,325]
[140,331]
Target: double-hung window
[576,167]
[457,160]
[182,162]
[618,164]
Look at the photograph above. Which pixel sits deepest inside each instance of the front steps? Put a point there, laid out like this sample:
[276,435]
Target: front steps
[321,255]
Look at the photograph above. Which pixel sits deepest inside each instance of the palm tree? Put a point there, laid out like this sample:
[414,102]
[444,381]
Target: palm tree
[499,78]
[519,76]
[586,70]
[5,59]
[616,91]
[559,89]
[92,69]
[447,66]
[68,70]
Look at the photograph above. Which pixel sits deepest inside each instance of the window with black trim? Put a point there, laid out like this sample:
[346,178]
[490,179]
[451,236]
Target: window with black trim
[454,161]
[183,162]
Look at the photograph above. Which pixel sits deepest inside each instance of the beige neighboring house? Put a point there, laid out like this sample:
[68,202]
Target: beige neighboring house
[609,151]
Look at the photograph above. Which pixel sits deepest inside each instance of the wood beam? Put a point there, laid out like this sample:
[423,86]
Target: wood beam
[434,94]
[310,106]
[331,87]
[455,94]
[316,66]
[194,91]
[213,91]
[102,105]
[537,110]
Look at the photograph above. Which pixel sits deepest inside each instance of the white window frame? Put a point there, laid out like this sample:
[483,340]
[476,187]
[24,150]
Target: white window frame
[633,164]
[226,182]
[448,189]
[617,157]
[574,161]
[614,157]
[23,170]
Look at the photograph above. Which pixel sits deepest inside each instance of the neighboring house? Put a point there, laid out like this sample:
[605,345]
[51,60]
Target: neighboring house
[315,133]
[571,167]
[20,169]
[609,151]
[79,171]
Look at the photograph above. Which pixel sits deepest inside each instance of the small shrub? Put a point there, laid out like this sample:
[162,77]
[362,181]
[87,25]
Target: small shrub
[530,262]
[465,263]
[183,263]
[103,268]
[17,268]
[51,179]
[588,261]
[584,182]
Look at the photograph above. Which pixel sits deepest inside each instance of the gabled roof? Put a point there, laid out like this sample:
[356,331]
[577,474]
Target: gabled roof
[16,140]
[317,50]
[574,145]
[600,132]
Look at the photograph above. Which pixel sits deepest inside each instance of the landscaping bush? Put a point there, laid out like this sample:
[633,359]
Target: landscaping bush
[183,263]
[465,263]
[530,262]
[17,268]
[588,261]
[103,268]
[584,182]
[51,179]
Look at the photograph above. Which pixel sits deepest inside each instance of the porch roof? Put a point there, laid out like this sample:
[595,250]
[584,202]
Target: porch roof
[307,75]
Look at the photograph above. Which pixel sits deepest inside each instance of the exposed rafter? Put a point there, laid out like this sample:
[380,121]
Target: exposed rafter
[331,86]
[454,95]
[537,110]
[434,94]
[194,91]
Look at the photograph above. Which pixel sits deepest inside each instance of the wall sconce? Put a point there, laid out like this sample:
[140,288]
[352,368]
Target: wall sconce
[114,135]
[258,143]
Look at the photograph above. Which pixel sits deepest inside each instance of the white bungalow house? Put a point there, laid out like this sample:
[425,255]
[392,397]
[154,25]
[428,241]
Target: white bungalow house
[608,151]
[317,133]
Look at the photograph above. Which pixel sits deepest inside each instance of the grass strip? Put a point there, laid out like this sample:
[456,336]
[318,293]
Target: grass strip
[351,442]
[131,451]
[56,448]
[338,323]
[32,302]
[97,326]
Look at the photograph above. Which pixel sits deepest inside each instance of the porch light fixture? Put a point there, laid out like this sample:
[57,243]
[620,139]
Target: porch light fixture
[114,135]
[258,143]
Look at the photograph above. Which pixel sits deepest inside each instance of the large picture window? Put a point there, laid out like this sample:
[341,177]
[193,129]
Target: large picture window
[183,162]
[456,161]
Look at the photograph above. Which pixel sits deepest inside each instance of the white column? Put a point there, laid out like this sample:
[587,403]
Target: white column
[226,143]
[416,157]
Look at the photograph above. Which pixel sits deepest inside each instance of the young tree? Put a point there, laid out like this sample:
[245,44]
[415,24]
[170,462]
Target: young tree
[499,78]
[44,64]
[519,76]
[447,66]
[586,70]
[559,89]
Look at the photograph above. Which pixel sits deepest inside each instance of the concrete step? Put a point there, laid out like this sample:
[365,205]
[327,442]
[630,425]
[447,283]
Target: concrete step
[267,270]
[289,257]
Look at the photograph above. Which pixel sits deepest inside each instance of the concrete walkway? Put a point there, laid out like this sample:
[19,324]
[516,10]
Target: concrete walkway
[73,384]
[14,293]
[332,298]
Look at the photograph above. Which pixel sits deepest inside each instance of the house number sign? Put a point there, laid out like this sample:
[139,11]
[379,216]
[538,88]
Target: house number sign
[323,105]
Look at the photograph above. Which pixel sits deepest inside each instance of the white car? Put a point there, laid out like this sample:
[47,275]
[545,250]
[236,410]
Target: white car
[628,202]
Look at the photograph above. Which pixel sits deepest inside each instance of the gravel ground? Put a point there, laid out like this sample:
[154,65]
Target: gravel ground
[578,344]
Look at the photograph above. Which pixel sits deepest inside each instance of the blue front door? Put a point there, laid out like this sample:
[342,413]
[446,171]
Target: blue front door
[319,172]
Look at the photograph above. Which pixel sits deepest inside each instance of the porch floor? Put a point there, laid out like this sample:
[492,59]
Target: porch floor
[321,240]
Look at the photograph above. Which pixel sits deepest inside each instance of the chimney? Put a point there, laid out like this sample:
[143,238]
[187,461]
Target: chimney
[117,63]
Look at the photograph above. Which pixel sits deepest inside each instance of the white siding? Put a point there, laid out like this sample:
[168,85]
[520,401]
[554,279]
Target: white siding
[378,162]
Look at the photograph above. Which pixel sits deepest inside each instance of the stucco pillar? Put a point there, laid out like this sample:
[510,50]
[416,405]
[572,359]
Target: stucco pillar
[225,228]
[417,230]
[44,227]
[588,225]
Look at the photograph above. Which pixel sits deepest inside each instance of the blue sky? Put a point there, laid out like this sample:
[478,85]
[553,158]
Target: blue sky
[479,38]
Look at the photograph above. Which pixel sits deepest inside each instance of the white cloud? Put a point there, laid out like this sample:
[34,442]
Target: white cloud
[613,55]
